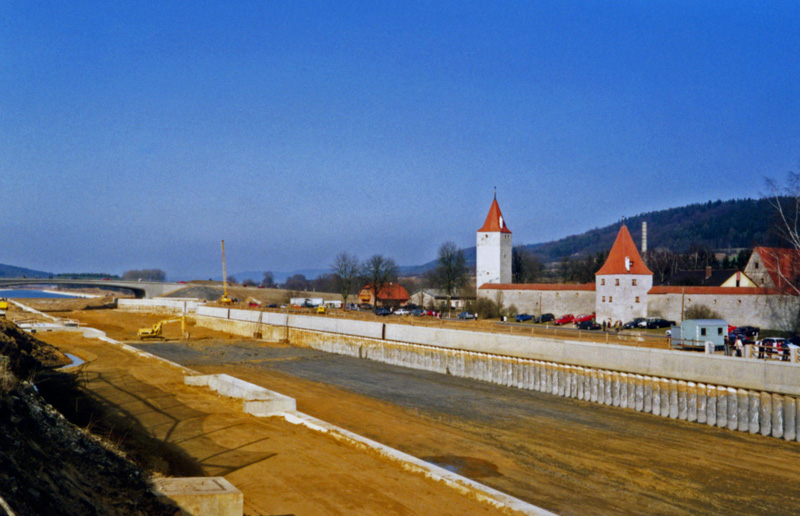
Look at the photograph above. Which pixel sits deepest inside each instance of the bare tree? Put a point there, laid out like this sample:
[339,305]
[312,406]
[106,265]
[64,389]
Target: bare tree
[345,269]
[526,267]
[378,272]
[785,199]
[269,280]
[451,271]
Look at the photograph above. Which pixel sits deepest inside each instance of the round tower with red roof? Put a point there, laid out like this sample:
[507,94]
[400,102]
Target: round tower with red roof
[493,254]
[622,283]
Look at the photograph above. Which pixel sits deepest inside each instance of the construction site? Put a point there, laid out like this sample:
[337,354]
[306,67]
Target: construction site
[356,433]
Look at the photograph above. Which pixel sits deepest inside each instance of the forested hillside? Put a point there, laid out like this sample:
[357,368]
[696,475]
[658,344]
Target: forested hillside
[716,225]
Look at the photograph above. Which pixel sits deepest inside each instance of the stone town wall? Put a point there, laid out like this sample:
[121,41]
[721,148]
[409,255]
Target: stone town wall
[773,312]
[537,302]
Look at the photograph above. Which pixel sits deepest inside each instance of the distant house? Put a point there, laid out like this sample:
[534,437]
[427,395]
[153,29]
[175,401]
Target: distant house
[773,267]
[708,277]
[437,297]
[392,294]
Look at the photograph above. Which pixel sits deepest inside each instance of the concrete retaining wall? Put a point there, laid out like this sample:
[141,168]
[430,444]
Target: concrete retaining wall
[732,393]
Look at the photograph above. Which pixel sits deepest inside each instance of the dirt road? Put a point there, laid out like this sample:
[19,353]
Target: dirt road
[564,455]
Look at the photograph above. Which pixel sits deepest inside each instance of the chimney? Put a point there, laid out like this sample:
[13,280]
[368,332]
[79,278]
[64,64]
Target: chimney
[708,271]
[644,237]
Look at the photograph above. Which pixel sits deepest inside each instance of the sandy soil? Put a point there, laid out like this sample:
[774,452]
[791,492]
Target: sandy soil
[565,455]
[280,468]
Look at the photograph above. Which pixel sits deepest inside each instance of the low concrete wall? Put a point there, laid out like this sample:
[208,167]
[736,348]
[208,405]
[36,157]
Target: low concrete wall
[159,306]
[714,390]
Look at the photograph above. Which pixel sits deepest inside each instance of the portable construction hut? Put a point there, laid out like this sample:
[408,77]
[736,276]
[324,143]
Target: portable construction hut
[696,332]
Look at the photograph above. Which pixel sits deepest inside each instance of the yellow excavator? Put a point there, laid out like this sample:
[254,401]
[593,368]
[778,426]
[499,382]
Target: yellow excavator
[225,299]
[156,331]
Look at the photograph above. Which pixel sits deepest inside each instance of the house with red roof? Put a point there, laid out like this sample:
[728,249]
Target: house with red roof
[772,267]
[391,294]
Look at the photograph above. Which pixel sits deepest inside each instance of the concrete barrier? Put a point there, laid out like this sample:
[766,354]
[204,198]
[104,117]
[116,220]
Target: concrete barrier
[201,495]
[257,400]
[725,406]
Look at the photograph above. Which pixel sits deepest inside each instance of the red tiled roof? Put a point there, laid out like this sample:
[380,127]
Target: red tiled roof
[715,291]
[494,220]
[390,292]
[624,258]
[538,286]
[783,265]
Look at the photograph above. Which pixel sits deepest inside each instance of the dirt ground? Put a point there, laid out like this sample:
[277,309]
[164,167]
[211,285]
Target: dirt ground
[565,455]
[281,468]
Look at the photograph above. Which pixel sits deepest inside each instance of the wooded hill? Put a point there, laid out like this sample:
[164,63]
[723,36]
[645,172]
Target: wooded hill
[718,225]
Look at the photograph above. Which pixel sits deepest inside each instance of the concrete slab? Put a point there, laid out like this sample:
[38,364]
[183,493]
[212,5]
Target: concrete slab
[258,400]
[206,496]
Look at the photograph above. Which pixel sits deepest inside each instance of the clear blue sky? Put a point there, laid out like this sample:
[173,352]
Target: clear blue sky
[139,136]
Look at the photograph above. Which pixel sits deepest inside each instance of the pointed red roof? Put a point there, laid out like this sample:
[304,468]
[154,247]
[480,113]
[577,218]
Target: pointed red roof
[624,258]
[494,220]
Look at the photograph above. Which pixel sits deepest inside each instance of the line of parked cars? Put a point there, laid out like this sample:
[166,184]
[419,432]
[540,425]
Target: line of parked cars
[649,323]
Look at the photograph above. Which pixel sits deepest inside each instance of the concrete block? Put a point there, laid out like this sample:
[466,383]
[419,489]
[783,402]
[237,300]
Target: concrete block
[265,408]
[201,495]
[656,401]
[777,416]
[691,401]
[639,393]
[711,406]
[702,402]
[615,388]
[765,414]
[199,380]
[789,418]
[581,379]
[733,409]
[722,407]
[664,393]
[797,419]
[548,376]
[673,399]
[647,394]
[683,409]
[743,407]
[631,391]
[535,374]
[623,390]
[574,374]
[607,396]
[594,391]
[561,379]
[235,388]
[754,404]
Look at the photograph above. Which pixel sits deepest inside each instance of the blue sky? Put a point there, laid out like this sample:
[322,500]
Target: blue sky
[139,135]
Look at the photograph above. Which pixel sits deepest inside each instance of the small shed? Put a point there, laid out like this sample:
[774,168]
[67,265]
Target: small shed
[696,332]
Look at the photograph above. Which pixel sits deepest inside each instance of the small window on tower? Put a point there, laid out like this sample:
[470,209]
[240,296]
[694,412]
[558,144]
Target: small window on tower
[610,299]
[603,283]
[616,282]
[637,297]
[604,299]
[633,282]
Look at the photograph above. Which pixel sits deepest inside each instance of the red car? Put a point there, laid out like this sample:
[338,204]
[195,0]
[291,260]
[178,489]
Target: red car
[583,318]
[564,319]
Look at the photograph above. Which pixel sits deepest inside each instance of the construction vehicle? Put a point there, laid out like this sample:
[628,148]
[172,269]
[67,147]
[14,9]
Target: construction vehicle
[156,332]
[3,304]
[225,299]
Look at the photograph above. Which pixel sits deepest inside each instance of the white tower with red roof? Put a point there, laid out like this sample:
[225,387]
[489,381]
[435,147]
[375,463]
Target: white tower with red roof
[493,255]
[622,283]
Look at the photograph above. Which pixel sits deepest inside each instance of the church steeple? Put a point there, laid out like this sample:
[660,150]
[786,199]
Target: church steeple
[493,251]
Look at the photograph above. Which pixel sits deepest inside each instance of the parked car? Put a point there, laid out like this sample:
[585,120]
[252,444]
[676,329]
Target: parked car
[467,315]
[657,322]
[634,323]
[583,318]
[432,313]
[588,325]
[747,331]
[547,318]
[775,347]
[272,305]
[564,319]
[525,317]
[417,312]
[382,311]
[402,311]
